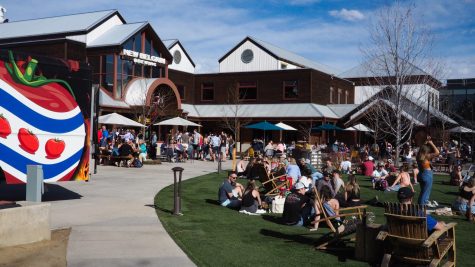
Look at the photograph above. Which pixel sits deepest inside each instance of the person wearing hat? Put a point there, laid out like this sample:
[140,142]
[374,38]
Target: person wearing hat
[379,174]
[368,166]
[405,195]
[298,207]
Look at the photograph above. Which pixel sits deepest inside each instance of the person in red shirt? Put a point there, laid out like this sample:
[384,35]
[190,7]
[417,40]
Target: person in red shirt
[368,166]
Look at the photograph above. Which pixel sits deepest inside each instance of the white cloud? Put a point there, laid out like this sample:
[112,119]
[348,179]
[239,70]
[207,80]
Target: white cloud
[351,15]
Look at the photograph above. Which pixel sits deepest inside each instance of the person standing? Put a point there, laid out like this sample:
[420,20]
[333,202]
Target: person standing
[153,145]
[427,152]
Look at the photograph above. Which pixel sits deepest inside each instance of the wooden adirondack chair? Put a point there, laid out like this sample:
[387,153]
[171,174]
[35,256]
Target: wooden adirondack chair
[271,184]
[336,223]
[407,240]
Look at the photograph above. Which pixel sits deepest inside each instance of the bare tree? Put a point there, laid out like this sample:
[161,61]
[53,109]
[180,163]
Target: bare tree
[401,69]
[234,113]
[161,103]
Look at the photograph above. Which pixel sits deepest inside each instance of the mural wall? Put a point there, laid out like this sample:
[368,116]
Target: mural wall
[44,117]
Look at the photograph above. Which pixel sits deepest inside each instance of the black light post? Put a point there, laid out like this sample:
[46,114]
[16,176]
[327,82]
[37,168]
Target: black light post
[177,190]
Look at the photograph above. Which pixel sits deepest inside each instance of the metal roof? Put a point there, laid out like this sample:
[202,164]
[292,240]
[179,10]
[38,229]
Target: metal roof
[342,109]
[294,110]
[117,35]
[169,43]
[106,100]
[370,69]
[53,25]
[285,55]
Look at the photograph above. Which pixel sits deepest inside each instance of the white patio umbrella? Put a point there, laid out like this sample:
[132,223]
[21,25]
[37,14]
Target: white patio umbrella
[286,127]
[177,121]
[362,128]
[461,129]
[117,119]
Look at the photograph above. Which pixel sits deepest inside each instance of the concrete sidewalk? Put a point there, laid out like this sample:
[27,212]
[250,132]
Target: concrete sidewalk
[114,222]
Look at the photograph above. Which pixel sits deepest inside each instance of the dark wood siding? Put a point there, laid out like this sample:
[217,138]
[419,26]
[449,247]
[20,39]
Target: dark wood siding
[187,80]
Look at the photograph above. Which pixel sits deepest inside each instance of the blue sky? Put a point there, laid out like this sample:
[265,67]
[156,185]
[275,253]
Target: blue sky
[329,32]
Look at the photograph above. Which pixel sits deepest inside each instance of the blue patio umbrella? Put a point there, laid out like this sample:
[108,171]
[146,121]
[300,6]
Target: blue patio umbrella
[265,126]
[327,127]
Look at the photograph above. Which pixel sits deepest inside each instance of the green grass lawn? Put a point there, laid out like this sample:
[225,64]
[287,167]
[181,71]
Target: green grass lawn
[212,235]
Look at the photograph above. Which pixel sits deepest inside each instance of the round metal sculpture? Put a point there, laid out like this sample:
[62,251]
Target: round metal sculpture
[247,56]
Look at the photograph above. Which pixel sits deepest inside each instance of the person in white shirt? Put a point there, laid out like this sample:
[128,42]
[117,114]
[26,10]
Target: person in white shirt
[345,166]
[379,174]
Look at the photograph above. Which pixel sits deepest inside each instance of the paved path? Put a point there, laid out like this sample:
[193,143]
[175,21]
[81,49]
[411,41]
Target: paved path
[114,222]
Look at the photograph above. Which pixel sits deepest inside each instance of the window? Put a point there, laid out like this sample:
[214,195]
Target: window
[283,66]
[339,96]
[107,72]
[291,90]
[181,91]
[247,91]
[331,94]
[346,96]
[207,91]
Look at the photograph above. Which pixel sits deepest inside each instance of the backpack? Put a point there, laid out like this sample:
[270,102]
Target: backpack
[137,163]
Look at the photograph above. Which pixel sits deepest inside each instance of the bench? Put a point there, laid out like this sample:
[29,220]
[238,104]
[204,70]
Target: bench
[119,160]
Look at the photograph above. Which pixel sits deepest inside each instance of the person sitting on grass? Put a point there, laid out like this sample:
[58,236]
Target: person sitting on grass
[345,165]
[465,202]
[251,200]
[352,191]
[402,180]
[378,175]
[326,181]
[331,207]
[405,195]
[456,176]
[298,207]
[230,192]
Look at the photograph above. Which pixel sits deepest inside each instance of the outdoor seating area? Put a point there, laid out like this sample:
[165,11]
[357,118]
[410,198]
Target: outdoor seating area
[252,234]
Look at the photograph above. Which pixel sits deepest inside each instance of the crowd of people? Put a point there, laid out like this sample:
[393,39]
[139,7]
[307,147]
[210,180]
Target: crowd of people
[299,207]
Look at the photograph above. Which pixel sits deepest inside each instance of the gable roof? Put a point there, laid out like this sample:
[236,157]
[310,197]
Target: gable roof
[284,55]
[172,42]
[77,23]
[412,109]
[118,34]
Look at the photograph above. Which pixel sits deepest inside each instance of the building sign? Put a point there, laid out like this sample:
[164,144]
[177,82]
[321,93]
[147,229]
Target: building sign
[142,58]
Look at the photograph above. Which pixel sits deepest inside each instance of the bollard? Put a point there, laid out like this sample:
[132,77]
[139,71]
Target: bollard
[177,190]
[34,183]
[219,163]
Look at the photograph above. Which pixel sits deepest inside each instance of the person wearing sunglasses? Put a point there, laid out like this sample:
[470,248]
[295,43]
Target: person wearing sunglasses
[230,192]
